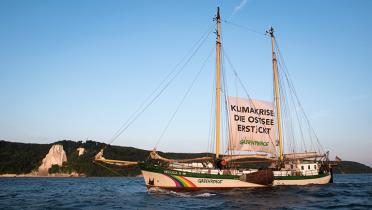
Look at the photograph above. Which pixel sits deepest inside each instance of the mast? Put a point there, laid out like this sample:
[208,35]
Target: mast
[276,85]
[218,83]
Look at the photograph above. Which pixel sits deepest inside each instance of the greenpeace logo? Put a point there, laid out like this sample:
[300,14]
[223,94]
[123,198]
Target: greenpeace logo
[254,143]
[210,181]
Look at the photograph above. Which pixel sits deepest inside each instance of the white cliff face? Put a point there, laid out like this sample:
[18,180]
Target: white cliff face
[56,156]
[80,150]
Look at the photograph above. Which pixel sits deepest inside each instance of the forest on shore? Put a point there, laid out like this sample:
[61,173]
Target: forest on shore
[23,158]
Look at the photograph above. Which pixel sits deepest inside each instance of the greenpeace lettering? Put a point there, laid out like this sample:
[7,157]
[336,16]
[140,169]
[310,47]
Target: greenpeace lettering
[210,181]
[252,125]
[257,143]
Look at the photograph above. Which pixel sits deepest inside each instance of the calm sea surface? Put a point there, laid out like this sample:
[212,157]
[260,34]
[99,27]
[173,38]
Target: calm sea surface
[348,192]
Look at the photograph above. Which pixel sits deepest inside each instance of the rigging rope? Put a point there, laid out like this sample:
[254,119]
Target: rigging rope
[245,90]
[296,100]
[115,172]
[211,131]
[243,27]
[112,170]
[226,95]
[287,123]
[183,99]
[151,98]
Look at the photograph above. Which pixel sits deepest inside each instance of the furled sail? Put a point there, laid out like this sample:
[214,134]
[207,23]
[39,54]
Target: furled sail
[154,155]
[99,157]
[252,125]
[302,155]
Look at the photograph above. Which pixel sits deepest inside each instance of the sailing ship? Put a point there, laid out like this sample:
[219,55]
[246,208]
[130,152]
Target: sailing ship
[255,127]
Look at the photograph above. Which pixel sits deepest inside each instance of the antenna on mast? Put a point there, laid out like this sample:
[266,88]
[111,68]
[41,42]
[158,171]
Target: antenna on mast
[270,31]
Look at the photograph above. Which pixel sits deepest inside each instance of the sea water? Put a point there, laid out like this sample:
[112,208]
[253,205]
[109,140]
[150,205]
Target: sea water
[347,192]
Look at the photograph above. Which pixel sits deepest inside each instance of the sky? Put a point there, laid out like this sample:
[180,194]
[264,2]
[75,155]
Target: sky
[79,69]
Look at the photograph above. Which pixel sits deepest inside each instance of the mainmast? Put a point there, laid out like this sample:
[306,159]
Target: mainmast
[218,83]
[276,85]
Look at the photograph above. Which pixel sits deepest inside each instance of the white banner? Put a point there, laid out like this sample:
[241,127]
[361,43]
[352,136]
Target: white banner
[252,125]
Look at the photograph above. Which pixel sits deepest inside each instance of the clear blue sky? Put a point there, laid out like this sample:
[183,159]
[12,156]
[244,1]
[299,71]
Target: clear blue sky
[78,69]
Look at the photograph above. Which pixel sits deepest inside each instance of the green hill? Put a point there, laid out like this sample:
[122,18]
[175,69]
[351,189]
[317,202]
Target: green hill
[22,158]
[350,167]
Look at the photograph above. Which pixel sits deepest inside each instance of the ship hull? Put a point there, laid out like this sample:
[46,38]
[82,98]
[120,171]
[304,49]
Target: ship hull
[302,180]
[185,181]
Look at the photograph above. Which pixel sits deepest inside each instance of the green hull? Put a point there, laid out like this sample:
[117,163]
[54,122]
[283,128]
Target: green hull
[300,177]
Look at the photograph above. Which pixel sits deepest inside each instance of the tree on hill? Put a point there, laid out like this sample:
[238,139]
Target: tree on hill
[54,169]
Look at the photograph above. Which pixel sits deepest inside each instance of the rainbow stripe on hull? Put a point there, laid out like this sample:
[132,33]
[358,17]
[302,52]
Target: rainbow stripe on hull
[181,181]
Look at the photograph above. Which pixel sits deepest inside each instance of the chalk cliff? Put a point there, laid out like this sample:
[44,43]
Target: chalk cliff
[55,156]
[81,150]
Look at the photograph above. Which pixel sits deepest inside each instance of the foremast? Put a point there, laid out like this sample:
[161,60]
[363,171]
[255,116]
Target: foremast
[218,83]
[276,87]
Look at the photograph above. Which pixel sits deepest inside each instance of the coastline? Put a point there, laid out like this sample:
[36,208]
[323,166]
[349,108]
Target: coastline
[42,176]
[59,175]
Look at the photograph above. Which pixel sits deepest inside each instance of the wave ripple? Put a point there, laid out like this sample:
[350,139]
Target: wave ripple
[348,192]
